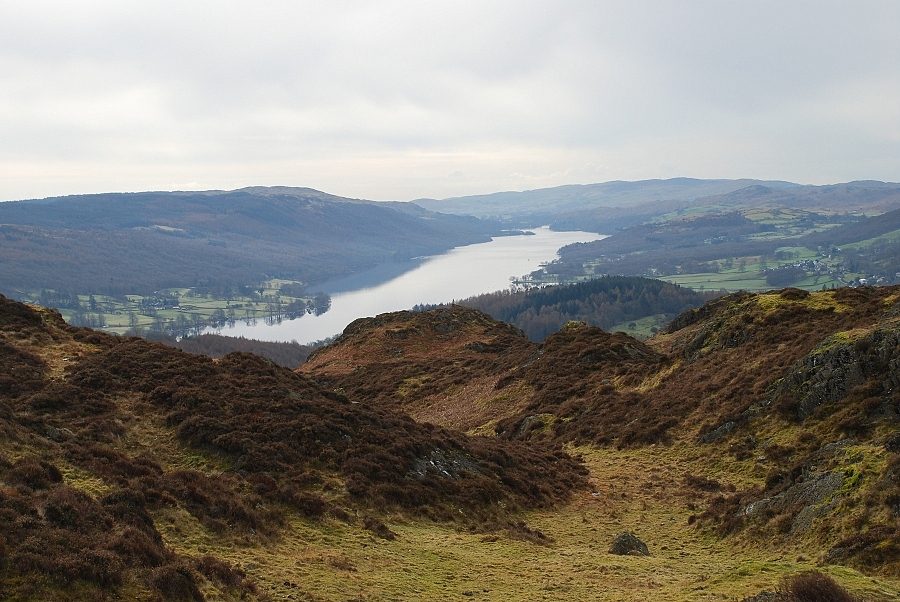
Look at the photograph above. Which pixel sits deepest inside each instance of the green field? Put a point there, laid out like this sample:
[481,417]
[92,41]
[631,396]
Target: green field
[180,309]
[748,279]
[643,328]
[745,273]
[889,237]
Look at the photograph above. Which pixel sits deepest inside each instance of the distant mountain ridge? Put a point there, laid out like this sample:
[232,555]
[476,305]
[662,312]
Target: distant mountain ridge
[573,197]
[858,195]
[140,242]
[610,205]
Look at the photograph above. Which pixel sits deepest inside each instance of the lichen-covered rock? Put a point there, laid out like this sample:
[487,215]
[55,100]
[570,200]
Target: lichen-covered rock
[628,544]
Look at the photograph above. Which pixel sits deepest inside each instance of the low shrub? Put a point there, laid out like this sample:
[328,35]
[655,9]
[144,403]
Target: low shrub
[813,586]
[34,473]
[175,581]
[224,574]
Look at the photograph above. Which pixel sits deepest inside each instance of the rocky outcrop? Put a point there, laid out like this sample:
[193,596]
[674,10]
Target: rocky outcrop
[811,498]
[837,366]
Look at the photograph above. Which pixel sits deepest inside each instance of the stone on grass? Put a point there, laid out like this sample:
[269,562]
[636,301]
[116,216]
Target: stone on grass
[628,544]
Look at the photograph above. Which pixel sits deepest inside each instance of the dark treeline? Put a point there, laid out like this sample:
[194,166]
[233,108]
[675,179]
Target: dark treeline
[602,302]
[288,355]
[784,276]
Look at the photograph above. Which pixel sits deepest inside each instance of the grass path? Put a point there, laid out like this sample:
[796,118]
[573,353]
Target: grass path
[635,490]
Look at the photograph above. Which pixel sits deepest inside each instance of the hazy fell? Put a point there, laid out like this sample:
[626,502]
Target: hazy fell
[576,197]
[609,205]
[139,242]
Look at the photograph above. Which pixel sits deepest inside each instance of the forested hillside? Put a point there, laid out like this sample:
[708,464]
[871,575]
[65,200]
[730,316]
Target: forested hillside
[286,355]
[603,302]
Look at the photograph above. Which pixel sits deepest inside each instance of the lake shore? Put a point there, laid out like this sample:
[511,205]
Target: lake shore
[459,273]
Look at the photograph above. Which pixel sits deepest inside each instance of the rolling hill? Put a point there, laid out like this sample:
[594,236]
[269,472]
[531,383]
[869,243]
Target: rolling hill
[421,456]
[140,242]
[710,242]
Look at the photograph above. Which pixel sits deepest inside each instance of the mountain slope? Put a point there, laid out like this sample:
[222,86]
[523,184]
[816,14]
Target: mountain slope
[785,404]
[140,242]
[438,366]
[863,196]
[756,438]
[713,242]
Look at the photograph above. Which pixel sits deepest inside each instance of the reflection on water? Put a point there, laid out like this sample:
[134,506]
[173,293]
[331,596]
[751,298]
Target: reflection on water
[459,273]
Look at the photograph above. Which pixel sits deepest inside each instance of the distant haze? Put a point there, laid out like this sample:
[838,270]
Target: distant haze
[401,100]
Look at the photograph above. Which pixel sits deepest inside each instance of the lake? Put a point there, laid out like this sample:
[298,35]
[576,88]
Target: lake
[457,274]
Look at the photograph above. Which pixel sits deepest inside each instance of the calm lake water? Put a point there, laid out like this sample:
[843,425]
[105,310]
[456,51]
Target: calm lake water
[459,273]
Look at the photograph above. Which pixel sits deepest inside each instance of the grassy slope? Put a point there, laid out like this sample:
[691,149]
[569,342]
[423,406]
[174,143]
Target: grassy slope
[631,491]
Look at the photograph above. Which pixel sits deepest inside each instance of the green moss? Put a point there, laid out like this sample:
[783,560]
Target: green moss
[83,480]
[410,385]
[852,478]
[841,339]
[817,300]
[858,462]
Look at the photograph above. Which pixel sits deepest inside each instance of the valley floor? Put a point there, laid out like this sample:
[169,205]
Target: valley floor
[633,490]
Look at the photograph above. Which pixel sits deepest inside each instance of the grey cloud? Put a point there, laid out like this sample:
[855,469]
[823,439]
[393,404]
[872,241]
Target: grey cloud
[385,99]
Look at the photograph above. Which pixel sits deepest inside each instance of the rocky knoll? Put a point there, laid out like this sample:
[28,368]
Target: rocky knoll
[799,389]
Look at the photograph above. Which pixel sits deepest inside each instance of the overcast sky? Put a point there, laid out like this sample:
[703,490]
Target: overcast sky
[399,100]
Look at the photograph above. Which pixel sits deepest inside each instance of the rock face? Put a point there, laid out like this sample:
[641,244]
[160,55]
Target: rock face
[825,376]
[628,544]
[815,496]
